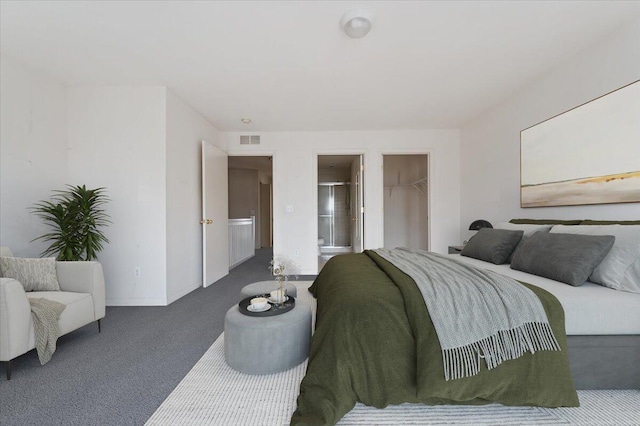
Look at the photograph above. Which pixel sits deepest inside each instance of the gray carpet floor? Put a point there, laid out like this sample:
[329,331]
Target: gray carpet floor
[122,375]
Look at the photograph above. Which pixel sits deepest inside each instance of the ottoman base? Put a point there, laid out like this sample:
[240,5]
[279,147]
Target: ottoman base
[265,345]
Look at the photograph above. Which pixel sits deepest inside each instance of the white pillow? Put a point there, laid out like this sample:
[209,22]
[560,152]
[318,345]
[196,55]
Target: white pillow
[620,269]
[33,273]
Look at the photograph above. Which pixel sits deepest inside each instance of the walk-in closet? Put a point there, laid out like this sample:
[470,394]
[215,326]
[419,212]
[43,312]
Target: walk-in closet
[406,201]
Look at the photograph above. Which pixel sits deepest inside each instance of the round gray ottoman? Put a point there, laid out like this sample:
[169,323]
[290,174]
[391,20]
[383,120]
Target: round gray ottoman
[264,345]
[264,287]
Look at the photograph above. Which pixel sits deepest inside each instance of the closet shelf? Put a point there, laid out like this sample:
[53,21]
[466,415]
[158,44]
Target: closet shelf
[419,185]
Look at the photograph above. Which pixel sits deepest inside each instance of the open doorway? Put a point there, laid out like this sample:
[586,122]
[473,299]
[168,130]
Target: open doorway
[406,201]
[250,206]
[340,206]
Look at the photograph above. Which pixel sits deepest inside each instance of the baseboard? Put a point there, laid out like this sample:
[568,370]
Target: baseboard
[136,302]
[241,261]
[182,292]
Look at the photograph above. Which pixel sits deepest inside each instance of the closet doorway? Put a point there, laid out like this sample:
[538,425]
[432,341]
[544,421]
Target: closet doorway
[340,206]
[406,201]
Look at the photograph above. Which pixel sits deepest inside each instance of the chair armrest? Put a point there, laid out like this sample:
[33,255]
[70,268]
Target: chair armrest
[84,277]
[15,319]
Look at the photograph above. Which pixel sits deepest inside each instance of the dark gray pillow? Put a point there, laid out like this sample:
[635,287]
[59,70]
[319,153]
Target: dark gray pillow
[492,245]
[568,258]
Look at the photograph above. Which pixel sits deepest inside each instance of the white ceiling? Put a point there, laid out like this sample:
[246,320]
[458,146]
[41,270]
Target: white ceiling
[287,66]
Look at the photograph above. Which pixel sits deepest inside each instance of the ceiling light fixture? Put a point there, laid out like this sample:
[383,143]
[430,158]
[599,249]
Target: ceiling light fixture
[357,23]
[246,120]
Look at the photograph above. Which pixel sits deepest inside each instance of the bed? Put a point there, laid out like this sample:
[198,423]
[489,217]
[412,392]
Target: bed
[371,346]
[602,327]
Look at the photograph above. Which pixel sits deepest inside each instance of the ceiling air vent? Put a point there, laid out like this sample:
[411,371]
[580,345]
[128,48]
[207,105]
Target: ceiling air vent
[250,140]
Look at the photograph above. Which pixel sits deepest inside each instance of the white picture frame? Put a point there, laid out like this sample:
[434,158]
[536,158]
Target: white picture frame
[587,155]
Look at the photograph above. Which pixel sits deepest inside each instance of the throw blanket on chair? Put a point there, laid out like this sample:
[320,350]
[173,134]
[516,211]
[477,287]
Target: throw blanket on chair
[45,314]
[476,313]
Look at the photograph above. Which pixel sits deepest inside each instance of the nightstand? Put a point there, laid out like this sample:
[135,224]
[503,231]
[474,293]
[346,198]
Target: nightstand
[455,249]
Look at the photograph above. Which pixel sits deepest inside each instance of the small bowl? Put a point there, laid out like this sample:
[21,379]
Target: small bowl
[259,302]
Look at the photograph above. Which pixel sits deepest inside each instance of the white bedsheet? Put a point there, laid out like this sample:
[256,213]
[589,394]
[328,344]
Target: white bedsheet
[590,309]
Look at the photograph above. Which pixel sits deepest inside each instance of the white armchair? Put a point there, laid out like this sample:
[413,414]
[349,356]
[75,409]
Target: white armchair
[82,291]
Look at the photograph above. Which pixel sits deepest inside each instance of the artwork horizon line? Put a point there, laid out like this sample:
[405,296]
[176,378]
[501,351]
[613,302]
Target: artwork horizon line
[608,189]
[604,178]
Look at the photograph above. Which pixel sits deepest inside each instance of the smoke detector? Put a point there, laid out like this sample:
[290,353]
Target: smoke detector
[357,23]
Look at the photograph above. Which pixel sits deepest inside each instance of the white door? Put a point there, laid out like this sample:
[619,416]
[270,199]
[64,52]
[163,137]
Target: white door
[359,243]
[215,214]
[357,210]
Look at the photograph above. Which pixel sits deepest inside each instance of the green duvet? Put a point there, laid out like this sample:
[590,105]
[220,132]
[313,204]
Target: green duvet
[375,343]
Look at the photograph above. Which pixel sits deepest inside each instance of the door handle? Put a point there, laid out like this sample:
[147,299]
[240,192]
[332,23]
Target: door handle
[206,221]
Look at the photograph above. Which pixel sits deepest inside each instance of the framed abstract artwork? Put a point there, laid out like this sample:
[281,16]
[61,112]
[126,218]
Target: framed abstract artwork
[587,155]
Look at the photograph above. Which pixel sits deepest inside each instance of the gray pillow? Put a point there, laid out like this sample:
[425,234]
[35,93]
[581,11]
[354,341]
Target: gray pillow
[34,274]
[492,245]
[620,269]
[568,258]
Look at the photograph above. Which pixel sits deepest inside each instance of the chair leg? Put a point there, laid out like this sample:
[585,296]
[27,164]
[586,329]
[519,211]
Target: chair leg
[99,329]
[7,369]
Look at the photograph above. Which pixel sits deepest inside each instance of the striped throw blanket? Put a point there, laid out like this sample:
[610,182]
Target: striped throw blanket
[45,314]
[477,314]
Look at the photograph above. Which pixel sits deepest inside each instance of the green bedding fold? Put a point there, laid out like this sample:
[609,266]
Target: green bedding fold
[375,343]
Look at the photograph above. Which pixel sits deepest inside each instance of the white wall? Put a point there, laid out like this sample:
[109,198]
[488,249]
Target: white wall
[116,139]
[244,197]
[243,193]
[141,143]
[295,180]
[33,152]
[490,143]
[186,128]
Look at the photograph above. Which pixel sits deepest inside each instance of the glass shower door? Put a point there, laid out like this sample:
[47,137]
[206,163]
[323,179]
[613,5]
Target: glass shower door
[334,222]
[325,215]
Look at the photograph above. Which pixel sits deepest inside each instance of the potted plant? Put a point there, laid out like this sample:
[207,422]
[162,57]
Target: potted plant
[77,217]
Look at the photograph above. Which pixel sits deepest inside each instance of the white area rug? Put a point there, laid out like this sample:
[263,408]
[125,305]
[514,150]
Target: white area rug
[214,394]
